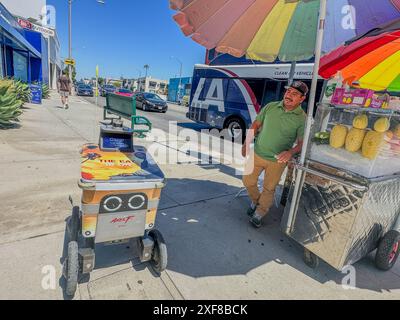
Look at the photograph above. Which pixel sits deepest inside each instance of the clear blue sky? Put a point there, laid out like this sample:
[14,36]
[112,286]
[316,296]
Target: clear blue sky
[122,36]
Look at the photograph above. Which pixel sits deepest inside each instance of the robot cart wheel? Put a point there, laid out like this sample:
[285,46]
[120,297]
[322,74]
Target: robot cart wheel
[310,259]
[74,224]
[71,266]
[159,257]
[388,251]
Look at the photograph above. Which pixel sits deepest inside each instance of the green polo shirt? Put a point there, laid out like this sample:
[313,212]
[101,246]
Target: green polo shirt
[280,130]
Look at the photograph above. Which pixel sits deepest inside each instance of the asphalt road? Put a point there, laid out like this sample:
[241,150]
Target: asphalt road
[161,120]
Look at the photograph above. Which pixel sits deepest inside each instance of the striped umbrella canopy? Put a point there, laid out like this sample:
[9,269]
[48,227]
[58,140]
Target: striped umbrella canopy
[285,29]
[371,61]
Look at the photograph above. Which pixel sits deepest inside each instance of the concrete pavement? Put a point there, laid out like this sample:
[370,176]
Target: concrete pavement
[213,252]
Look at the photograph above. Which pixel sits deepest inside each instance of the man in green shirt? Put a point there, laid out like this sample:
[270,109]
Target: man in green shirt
[279,125]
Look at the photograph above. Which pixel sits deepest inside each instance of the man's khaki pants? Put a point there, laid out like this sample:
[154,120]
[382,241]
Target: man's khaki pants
[273,172]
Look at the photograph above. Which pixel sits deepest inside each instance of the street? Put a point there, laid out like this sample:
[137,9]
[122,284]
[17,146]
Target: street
[160,120]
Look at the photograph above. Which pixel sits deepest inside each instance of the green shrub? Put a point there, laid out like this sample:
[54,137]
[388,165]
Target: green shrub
[45,91]
[10,104]
[22,91]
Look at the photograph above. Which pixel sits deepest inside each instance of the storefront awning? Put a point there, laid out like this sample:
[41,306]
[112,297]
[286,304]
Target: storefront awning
[14,35]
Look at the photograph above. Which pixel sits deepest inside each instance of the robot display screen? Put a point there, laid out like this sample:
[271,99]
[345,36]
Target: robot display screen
[117,142]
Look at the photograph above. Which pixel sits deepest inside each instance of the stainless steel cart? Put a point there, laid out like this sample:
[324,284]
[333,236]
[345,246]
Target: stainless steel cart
[344,211]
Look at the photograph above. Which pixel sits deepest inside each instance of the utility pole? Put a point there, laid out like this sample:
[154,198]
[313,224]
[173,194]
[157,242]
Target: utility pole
[178,94]
[70,38]
[138,82]
[180,82]
[146,67]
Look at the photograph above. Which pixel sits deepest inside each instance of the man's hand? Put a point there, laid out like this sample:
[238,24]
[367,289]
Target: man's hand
[245,150]
[284,157]
[255,127]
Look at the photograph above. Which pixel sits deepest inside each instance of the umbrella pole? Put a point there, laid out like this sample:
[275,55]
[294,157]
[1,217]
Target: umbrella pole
[291,73]
[300,174]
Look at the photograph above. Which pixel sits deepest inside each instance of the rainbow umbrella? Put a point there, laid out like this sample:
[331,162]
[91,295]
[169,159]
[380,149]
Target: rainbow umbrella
[285,29]
[288,30]
[372,61]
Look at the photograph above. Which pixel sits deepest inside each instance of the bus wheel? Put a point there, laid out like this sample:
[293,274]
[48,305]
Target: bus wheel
[236,129]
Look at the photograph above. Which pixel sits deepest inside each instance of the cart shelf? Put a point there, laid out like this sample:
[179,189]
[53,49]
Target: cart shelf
[356,108]
[387,161]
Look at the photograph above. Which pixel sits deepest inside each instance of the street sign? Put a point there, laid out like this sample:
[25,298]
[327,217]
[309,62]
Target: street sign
[69,62]
[97,82]
[32,26]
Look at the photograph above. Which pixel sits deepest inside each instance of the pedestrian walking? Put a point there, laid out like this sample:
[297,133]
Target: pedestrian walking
[279,132]
[64,88]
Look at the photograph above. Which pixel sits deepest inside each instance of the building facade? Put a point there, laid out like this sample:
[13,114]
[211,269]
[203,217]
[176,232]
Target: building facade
[152,85]
[29,16]
[18,57]
[174,93]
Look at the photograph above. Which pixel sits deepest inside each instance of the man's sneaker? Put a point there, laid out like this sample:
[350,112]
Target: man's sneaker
[66,106]
[252,209]
[256,220]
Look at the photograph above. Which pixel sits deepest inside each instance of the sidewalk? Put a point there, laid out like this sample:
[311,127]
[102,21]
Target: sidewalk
[213,252]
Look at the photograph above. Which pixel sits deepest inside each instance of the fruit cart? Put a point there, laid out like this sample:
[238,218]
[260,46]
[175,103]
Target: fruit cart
[349,203]
[121,187]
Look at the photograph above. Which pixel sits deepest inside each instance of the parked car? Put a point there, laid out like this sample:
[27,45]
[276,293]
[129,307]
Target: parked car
[124,92]
[77,84]
[108,88]
[84,90]
[151,101]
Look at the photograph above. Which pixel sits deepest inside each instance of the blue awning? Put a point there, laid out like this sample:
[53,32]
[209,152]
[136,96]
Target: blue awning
[15,36]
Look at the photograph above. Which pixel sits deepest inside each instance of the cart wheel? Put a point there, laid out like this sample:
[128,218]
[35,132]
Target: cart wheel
[71,265]
[388,251]
[310,259]
[160,258]
[73,224]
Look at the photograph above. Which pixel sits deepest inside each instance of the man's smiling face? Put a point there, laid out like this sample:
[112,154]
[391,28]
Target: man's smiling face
[293,98]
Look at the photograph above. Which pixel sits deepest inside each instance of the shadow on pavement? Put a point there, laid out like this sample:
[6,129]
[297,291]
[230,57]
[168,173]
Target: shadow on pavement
[213,237]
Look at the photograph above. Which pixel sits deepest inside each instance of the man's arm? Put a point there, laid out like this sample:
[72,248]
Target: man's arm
[255,127]
[286,156]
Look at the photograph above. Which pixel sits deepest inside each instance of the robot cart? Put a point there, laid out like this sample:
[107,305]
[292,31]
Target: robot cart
[121,187]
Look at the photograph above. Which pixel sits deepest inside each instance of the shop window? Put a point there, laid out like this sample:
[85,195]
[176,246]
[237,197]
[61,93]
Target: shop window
[20,67]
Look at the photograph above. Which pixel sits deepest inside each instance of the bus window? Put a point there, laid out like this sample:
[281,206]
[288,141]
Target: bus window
[235,95]
[270,93]
[257,85]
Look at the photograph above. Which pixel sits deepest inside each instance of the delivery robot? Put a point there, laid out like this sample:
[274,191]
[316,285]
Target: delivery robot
[121,187]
